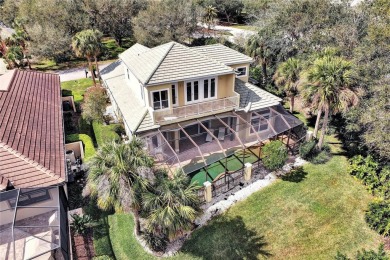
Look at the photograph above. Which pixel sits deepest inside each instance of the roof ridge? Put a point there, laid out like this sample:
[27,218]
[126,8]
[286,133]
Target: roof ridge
[33,163]
[209,58]
[37,71]
[162,59]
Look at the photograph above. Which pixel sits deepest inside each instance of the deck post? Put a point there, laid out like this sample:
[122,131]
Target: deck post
[207,191]
[248,171]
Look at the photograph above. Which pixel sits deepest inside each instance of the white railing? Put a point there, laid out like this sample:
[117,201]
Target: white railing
[216,105]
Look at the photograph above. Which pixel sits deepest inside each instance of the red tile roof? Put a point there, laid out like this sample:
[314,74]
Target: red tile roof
[31,130]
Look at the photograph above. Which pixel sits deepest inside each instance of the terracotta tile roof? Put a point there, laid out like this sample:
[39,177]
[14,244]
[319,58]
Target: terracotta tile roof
[31,130]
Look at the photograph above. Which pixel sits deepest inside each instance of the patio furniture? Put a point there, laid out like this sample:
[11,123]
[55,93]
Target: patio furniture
[221,133]
[209,138]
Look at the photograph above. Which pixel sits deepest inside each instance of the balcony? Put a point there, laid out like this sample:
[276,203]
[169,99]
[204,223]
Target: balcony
[192,111]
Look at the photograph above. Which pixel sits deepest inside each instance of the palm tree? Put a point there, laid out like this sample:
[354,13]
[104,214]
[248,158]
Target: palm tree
[330,85]
[209,15]
[115,177]
[287,77]
[258,49]
[88,44]
[21,38]
[172,204]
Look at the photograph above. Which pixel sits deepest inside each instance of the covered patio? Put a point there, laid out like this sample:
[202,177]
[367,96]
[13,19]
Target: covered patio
[196,146]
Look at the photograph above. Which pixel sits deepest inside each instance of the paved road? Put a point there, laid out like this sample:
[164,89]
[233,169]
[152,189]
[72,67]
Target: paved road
[76,73]
[238,35]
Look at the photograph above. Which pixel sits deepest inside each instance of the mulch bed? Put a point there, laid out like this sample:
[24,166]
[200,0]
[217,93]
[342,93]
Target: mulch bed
[386,241]
[82,245]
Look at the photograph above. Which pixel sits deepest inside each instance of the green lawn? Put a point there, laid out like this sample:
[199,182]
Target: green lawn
[105,133]
[76,88]
[311,215]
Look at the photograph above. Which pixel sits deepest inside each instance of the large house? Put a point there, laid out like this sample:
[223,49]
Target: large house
[194,106]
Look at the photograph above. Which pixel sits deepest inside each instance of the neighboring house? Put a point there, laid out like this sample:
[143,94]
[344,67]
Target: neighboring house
[194,106]
[31,130]
[33,201]
[34,224]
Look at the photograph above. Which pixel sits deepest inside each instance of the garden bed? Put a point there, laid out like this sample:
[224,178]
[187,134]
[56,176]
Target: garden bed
[82,245]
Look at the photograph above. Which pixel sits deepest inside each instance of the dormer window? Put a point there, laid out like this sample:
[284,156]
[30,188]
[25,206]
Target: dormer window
[241,72]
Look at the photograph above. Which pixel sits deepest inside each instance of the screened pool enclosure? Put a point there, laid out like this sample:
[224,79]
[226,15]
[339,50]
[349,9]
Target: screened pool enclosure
[34,224]
[196,144]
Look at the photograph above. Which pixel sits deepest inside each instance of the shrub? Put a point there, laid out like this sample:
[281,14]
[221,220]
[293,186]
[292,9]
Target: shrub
[321,157]
[102,257]
[366,255]
[155,242]
[80,223]
[362,167]
[94,104]
[378,217]
[274,155]
[307,149]
[89,149]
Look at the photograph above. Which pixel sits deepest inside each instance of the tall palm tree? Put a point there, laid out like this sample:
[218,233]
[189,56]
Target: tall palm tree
[330,85]
[287,78]
[258,49]
[88,44]
[210,13]
[115,179]
[172,204]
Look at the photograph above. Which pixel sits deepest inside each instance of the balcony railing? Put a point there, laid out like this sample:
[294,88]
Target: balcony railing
[193,110]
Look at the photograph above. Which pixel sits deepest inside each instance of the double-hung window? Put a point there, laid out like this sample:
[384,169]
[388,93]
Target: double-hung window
[160,99]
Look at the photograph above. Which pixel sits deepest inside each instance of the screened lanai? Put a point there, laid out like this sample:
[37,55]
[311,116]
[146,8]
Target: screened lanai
[33,224]
[197,144]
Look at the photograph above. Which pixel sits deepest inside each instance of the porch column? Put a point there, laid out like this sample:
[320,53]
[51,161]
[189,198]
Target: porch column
[177,137]
[248,171]
[207,191]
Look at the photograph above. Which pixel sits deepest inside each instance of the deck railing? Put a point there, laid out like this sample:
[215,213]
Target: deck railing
[192,110]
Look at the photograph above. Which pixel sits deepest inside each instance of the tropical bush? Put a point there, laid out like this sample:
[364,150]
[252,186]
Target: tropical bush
[156,242]
[366,255]
[321,157]
[307,149]
[274,155]
[378,217]
[94,104]
[80,223]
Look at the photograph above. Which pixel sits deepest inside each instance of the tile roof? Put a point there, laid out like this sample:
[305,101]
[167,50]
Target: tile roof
[223,54]
[132,109]
[253,97]
[31,130]
[170,62]
[147,124]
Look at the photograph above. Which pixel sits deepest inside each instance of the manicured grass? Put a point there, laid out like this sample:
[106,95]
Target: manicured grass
[124,244]
[89,149]
[233,163]
[105,133]
[76,88]
[310,217]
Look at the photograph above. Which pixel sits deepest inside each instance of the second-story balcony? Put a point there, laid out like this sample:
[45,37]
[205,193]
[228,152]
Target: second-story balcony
[192,111]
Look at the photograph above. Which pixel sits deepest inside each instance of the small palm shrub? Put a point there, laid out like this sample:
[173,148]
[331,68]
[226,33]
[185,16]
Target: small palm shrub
[307,149]
[274,155]
[80,223]
[378,217]
[156,242]
[366,255]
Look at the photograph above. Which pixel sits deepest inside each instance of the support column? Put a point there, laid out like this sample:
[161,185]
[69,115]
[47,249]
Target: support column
[176,138]
[207,191]
[248,171]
